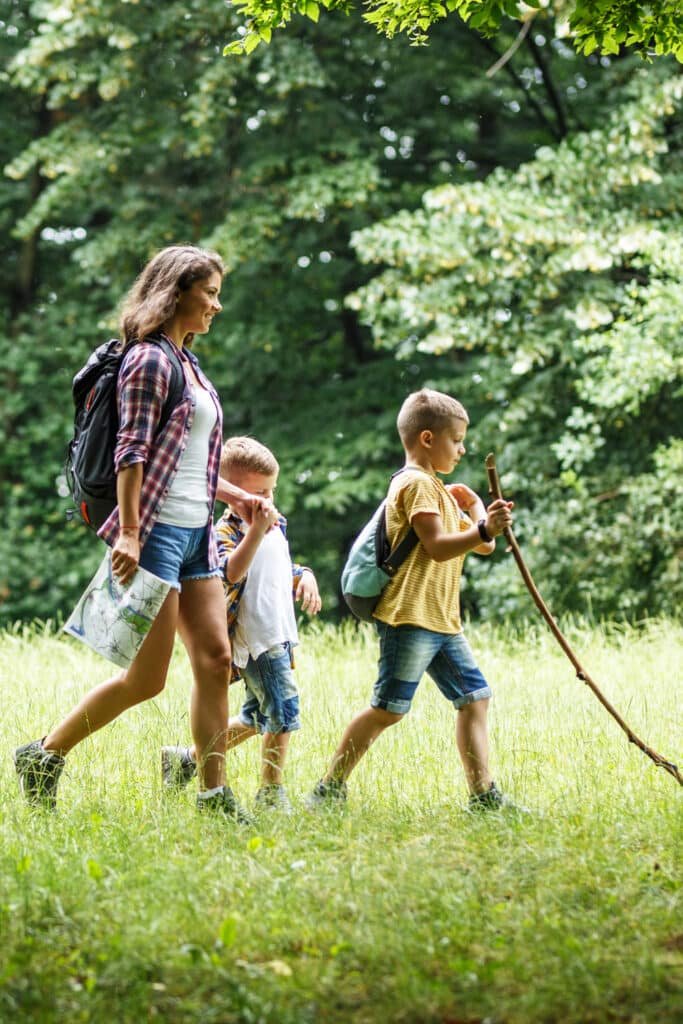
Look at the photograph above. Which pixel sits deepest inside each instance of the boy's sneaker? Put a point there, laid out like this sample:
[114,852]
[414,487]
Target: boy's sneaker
[224,802]
[493,800]
[177,767]
[38,772]
[273,798]
[327,794]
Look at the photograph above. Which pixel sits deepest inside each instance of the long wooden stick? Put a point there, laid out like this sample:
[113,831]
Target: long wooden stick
[661,762]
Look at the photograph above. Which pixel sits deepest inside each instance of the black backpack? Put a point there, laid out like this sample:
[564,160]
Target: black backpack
[89,466]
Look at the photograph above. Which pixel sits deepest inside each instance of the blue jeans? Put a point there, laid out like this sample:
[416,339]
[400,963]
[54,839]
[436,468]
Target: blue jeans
[272,699]
[407,652]
[177,553]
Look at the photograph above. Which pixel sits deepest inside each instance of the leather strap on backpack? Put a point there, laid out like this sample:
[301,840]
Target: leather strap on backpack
[397,557]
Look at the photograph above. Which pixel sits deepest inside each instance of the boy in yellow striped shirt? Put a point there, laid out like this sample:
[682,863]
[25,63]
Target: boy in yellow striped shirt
[418,614]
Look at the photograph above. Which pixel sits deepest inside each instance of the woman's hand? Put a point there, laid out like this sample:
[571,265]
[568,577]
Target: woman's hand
[244,503]
[263,517]
[307,592]
[125,556]
[251,506]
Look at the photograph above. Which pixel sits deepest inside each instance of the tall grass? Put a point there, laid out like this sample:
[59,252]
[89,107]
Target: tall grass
[126,906]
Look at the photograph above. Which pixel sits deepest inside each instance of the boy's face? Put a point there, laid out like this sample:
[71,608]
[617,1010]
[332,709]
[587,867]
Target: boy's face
[261,484]
[445,447]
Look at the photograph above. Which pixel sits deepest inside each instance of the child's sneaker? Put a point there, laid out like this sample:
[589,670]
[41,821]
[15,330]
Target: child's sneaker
[493,800]
[273,798]
[177,767]
[327,794]
[224,802]
[39,771]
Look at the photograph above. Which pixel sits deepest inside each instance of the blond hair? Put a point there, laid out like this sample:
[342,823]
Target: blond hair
[152,299]
[427,410]
[248,454]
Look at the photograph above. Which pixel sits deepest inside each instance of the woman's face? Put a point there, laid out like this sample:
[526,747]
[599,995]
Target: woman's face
[197,306]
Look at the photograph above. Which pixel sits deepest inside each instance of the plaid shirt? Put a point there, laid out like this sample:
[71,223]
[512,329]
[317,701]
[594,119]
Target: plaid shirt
[230,530]
[142,389]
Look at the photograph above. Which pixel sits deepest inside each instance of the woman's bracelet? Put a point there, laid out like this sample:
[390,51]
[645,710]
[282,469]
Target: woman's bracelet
[123,529]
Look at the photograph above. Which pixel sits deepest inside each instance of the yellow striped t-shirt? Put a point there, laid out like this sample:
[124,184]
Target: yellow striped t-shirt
[423,592]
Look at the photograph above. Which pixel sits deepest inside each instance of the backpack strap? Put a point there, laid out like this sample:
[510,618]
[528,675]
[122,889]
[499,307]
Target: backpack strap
[398,556]
[175,391]
[393,562]
[177,385]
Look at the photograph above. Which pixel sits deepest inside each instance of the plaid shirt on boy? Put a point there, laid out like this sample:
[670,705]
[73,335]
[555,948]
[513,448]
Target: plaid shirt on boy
[143,385]
[230,530]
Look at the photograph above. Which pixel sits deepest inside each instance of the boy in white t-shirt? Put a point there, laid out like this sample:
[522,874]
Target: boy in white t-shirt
[260,583]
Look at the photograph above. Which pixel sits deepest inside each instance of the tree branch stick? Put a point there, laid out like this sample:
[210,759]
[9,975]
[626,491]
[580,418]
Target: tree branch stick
[511,50]
[661,762]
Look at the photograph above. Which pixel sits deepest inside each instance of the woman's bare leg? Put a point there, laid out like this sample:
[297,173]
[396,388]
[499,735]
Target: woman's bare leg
[144,679]
[203,628]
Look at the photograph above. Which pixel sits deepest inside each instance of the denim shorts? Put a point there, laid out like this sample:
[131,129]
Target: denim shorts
[407,652]
[272,699]
[177,553]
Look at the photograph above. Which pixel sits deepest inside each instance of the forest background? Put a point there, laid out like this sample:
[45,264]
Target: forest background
[391,217]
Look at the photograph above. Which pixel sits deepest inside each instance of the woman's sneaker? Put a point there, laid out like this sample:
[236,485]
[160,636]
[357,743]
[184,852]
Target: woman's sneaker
[177,767]
[39,771]
[223,802]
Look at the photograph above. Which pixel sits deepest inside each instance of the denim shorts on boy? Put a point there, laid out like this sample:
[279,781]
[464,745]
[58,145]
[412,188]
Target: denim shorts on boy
[272,699]
[407,652]
[177,553]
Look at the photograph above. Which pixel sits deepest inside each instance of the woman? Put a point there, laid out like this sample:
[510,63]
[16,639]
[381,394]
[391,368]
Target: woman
[167,482]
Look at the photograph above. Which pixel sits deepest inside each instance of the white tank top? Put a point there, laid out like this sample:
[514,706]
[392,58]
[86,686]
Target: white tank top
[187,502]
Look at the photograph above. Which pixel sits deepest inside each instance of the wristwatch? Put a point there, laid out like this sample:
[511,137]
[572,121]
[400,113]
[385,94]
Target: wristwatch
[483,532]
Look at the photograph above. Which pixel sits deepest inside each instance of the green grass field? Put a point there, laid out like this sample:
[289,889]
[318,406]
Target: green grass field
[125,906]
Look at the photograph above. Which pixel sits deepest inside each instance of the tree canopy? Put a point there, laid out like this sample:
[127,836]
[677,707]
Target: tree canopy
[605,25]
[557,290]
[390,217]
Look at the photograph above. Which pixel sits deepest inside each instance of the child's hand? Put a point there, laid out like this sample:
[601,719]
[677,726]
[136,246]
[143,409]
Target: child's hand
[307,592]
[498,516]
[464,495]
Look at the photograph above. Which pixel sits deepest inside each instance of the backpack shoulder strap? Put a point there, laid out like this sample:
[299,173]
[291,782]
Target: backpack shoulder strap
[177,385]
[398,556]
[395,559]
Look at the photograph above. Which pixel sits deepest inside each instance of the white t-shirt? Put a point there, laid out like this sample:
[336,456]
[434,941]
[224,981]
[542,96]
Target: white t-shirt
[187,502]
[266,612]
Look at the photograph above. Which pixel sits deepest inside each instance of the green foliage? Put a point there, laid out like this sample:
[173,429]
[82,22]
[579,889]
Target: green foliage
[125,906]
[131,132]
[606,26]
[556,294]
